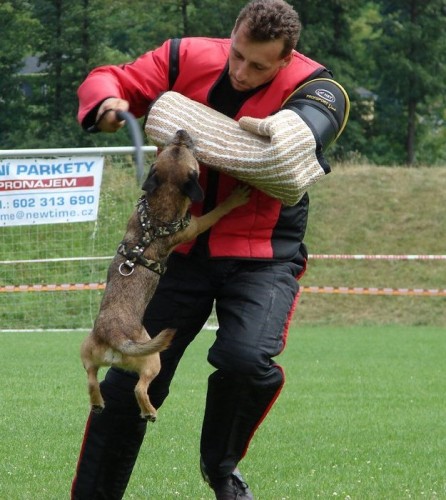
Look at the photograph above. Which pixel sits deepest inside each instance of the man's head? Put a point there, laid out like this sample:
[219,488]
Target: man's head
[264,35]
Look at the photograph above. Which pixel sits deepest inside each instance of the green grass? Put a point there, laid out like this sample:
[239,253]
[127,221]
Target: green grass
[362,416]
[376,210]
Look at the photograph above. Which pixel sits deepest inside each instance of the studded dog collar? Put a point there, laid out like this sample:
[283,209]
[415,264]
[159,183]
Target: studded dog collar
[152,229]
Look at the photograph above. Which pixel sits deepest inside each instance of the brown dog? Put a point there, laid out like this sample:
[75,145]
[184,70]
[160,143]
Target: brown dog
[160,222]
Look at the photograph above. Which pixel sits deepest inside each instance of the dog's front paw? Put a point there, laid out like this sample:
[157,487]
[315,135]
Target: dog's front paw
[239,196]
[97,408]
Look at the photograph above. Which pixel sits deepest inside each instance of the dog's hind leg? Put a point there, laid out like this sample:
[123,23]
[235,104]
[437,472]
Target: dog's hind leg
[96,400]
[148,371]
[89,354]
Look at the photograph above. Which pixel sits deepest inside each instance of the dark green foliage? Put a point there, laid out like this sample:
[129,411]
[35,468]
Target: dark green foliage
[389,56]
[410,63]
[17,34]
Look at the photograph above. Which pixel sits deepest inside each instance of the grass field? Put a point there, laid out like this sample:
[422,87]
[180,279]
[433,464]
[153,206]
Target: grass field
[362,416]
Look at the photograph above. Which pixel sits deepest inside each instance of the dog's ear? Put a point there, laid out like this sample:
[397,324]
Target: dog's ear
[152,181]
[192,188]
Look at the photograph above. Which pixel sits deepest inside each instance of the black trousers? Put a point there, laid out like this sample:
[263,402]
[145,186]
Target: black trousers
[254,302]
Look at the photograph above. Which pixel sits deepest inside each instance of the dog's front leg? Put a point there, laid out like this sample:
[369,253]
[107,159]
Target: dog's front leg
[239,196]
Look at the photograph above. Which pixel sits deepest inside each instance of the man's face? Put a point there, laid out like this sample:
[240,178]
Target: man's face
[254,63]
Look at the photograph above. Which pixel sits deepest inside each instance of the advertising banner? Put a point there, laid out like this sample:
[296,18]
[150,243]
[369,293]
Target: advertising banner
[49,191]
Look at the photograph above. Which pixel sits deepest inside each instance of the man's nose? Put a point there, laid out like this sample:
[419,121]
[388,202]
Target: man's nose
[241,72]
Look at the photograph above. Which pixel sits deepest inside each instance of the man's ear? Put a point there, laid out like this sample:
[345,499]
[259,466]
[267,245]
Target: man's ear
[286,60]
[152,181]
[192,188]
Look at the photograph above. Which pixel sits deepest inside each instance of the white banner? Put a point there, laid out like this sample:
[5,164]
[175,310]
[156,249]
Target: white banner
[49,191]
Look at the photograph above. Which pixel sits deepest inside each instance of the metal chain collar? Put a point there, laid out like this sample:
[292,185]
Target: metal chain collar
[152,229]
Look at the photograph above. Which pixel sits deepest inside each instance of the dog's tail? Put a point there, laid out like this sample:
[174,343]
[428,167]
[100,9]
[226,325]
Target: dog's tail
[159,343]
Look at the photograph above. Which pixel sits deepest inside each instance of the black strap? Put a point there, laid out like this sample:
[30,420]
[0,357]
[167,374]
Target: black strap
[174,61]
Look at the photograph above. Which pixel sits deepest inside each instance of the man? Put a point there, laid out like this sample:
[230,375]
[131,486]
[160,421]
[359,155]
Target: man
[261,113]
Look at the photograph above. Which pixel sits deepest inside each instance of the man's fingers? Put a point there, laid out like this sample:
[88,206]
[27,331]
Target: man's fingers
[110,117]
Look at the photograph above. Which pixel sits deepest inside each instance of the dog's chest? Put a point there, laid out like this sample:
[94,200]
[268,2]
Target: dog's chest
[112,357]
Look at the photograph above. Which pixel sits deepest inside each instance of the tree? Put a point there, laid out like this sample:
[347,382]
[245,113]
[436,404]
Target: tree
[70,42]
[18,29]
[393,50]
[410,63]
[327,37]
[214,19]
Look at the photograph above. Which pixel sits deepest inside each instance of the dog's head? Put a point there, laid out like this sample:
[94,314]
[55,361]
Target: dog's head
[175,169]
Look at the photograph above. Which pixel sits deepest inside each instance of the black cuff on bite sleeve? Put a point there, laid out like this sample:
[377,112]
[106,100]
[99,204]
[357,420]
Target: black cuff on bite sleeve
[324,106]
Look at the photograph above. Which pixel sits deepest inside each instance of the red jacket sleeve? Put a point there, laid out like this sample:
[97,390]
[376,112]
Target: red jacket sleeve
[138,82]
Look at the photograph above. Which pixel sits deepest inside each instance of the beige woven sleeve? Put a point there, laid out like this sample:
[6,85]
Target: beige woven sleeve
[275,155]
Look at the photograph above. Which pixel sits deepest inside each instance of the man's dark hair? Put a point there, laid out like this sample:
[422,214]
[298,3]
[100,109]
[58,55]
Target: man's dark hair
[268,20]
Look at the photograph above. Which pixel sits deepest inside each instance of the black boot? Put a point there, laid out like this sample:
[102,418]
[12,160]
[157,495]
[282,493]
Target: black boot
[229,488]
[235,407]
[111,443]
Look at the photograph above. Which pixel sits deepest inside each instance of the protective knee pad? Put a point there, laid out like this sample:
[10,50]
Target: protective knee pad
[240,359]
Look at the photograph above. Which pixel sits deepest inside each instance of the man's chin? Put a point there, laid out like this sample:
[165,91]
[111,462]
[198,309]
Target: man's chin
[239,86]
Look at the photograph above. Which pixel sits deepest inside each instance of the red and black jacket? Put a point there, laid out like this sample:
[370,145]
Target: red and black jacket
[197,68]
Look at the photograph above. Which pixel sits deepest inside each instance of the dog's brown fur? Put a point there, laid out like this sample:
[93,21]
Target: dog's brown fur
[118,337]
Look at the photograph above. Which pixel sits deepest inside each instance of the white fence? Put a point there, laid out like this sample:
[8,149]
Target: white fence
[66,260]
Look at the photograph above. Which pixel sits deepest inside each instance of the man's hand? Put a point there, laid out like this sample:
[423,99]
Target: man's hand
[106,119]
